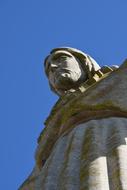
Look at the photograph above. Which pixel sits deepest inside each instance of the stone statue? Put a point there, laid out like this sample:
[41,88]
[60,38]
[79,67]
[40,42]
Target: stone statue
[68,68]
[84,143]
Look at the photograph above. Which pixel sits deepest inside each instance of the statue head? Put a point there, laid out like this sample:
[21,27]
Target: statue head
[67,68]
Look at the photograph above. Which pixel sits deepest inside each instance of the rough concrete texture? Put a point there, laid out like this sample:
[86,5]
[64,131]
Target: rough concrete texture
[84,143]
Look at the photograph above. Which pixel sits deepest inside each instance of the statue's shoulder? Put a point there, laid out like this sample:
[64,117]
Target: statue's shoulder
[124,64]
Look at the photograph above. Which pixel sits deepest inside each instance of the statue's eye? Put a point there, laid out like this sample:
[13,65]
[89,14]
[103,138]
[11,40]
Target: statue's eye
[62,58]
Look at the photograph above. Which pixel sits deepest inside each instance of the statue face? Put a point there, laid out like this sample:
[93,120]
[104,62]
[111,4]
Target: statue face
[64,71]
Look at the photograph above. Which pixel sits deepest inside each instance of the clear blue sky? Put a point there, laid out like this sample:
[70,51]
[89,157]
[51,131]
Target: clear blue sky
[29,30]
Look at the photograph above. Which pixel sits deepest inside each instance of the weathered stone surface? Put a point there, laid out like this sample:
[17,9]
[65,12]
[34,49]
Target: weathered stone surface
[84,143]
[91,156]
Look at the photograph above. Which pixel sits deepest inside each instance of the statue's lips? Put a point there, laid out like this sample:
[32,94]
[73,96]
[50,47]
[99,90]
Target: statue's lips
[63,70]
[62,73]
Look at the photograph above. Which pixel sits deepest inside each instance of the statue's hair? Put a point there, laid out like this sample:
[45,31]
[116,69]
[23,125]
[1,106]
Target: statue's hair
[87,63]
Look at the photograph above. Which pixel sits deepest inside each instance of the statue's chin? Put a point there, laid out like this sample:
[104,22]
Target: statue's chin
[65,82]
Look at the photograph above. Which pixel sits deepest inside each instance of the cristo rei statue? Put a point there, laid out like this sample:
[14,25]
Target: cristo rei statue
[84,143]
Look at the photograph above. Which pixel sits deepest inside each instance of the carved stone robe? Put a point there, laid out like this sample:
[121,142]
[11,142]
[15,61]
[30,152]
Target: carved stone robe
[84,143]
